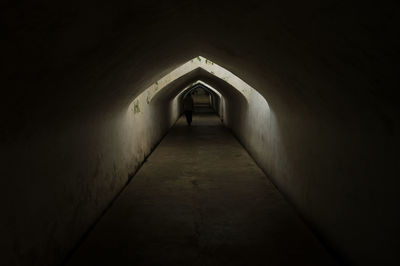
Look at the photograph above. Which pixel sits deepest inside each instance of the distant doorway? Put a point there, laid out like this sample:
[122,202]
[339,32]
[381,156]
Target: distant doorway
[201,98]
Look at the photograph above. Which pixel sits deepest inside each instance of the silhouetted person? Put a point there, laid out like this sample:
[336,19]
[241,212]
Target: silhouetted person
[188,108]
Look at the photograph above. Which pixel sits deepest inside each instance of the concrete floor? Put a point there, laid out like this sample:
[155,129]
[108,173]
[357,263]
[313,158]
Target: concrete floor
[200,199]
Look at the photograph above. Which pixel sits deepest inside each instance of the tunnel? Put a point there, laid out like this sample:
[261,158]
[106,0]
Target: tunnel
[303,118]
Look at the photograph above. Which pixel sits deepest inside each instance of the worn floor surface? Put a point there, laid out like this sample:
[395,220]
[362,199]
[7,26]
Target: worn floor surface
[200,199]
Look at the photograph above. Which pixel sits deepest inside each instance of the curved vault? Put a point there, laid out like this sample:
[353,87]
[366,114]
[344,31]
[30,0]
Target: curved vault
[200,84]
[216,100]
[196,69]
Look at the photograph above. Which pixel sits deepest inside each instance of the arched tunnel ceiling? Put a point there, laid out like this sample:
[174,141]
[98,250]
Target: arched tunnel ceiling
[174,88]
[65,59]
[191,66]
[202,85]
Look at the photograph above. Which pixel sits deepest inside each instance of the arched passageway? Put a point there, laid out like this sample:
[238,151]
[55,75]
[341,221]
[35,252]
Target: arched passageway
[203,96]
[200,199]
[82,108]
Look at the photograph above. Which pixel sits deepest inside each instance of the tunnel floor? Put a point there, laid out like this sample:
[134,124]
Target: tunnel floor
[200,199]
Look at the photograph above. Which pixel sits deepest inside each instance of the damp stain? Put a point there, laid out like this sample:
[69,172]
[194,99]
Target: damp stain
[136,107]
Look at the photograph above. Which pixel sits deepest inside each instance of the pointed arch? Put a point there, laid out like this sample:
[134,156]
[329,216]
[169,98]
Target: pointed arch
[198,68]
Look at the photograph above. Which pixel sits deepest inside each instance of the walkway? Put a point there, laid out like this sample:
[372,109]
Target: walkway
[200,199]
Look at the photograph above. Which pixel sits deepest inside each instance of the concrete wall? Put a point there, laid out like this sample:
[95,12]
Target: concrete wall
[59,182]
[330,172]
[336,175]
[317,152]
